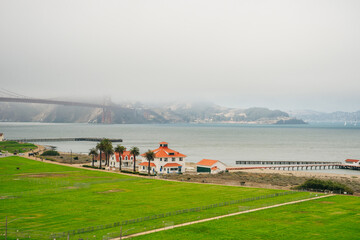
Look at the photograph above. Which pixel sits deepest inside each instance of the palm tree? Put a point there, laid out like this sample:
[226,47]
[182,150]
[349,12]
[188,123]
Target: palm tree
[135,152]
[93,152]
[150,156]
[109,150]
[101,147]
[120,150]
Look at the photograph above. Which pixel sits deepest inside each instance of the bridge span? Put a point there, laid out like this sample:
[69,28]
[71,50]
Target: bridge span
[106,114]
[89,139]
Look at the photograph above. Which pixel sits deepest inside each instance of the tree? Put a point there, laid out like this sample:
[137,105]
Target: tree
[120,150]
[108,150]
[101,148]
[135,152]
[93,152]
[150,156]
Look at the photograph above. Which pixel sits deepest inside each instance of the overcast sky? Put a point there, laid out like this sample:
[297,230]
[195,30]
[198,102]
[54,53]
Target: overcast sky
[279,54]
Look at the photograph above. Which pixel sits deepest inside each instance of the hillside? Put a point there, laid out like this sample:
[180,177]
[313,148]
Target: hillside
[131,113]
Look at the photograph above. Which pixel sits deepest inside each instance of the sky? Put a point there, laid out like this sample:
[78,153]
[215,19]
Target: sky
[280,54]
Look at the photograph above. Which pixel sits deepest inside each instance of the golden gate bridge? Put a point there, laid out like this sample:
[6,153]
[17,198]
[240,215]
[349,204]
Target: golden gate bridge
[107,106]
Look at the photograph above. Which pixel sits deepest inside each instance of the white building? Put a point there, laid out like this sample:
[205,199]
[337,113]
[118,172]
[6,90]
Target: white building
[166,161]
[210,166]
[127,161]
[352,162]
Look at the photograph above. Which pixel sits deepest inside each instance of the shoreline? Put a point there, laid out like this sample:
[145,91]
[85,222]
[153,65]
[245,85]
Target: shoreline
[304,173]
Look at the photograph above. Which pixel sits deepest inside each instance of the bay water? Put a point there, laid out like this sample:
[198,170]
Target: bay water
[225,142]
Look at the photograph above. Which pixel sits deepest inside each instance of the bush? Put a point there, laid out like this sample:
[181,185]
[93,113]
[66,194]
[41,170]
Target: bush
[145,174]
[50,153]
[322,185]
[127,171]
[76,158]
[88,166]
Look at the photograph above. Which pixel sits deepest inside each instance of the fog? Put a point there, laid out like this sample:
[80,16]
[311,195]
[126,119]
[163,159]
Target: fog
[277,54]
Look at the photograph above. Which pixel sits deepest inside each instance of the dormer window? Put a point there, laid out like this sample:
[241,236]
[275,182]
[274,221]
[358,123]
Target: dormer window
[171,154]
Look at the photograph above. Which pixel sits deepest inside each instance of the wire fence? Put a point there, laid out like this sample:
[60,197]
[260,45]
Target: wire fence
[162,220]
[164,215]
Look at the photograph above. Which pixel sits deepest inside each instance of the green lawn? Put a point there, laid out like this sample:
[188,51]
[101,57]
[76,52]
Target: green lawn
[12,147]
[336,217]
[41,198]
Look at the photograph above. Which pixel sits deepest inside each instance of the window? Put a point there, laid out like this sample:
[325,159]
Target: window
[173,159]
[171,154]
[180,159]
[131,158]
[126,158]
[165,159]
[160,159]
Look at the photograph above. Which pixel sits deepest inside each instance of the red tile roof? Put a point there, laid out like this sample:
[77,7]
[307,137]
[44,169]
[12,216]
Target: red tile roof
[125,153]
[207,162]
[172,165]
[103,156]
[352,160]
[147,164]
[165,152]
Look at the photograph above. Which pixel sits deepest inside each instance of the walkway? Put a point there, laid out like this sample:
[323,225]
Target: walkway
[219,217]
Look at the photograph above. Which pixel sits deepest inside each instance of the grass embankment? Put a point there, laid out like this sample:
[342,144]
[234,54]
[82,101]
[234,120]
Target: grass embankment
[336,217]
[265,180]
[15,147]
[41,198]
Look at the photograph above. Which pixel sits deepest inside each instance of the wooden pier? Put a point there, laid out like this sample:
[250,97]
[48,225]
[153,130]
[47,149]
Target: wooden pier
[286,165]
[290,167]
[84,139]
[283,162]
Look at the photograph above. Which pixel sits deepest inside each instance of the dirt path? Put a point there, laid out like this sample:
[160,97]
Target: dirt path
[219,217]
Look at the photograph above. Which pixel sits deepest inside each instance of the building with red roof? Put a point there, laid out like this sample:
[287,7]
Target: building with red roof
[127,160]
[166,160]
[352,161]
[210,166]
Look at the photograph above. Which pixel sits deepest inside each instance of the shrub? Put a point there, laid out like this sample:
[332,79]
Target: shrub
[127,171]
[50,153]
[322,185]
[76,158]
[145,174]
[88,166]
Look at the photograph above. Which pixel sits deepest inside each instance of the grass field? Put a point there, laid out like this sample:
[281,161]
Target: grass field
[12,147]
[41,198]
[336,217]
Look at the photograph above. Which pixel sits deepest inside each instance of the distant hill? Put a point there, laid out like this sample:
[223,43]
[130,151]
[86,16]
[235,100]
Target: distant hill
[141,113]
[313,116]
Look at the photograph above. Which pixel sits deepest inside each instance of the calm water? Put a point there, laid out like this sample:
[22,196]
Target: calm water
[225,142]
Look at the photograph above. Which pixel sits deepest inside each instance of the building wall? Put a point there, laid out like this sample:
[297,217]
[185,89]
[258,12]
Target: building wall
[161,162]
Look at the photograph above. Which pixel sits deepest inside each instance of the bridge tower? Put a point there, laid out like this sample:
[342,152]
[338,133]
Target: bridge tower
[106,113]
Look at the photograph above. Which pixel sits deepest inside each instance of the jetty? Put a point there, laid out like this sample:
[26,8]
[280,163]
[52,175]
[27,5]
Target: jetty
[83,139]
[283,162]
[285,165]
